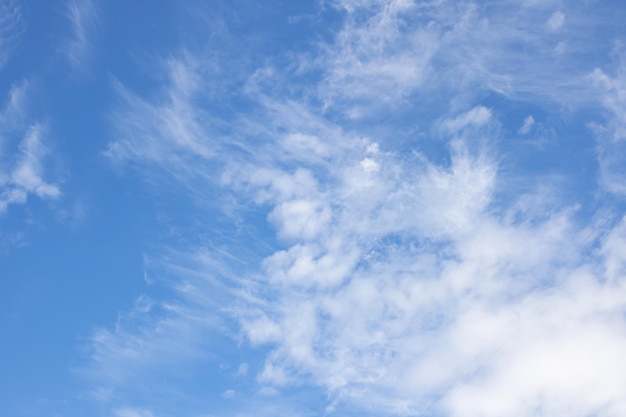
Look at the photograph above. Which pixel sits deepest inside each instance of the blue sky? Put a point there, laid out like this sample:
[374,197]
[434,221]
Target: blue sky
[312,208]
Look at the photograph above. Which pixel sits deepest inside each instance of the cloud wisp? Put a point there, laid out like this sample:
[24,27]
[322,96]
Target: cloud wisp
[611,133]
[83,16]
[22,171]
[11,27]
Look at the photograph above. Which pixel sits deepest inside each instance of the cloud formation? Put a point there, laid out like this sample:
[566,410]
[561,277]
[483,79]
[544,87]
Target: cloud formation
[397,282]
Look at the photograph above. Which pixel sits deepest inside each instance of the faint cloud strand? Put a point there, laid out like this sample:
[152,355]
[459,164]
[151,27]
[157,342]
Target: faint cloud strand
[556,21]
[528,124]
[11,27]
[23,169]
[176,131]
[132,412]
[83,16]
[611,143]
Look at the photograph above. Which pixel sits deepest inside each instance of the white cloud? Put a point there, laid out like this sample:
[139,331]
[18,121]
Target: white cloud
[388,51]
[301,218]
[11,27]
[132,412]
[528,124]
[25,177]
[399,283]
[83,16]
[14,112]
[476,117]
[176,132]
[376,59]
[27,172]
[158,337]
[613,252]
[562,360]
[556,21]
[456,321]
[242,370]
[23,152]
[611,134]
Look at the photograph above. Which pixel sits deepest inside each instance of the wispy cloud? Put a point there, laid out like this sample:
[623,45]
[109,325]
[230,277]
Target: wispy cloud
[158,335]
[11,27]
[388,51]
[132,412]
[556,21]
[179,122]
[23,170]
[611,133]
[14,111]
[27,173]
[83,16]
[396,282]
[528,124]
[384,57]
[26,176]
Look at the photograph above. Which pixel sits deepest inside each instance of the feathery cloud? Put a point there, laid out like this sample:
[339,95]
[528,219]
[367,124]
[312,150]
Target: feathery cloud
[22,168]
[83,16]
[11,27]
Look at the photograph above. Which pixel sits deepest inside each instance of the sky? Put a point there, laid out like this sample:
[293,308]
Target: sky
[312,208]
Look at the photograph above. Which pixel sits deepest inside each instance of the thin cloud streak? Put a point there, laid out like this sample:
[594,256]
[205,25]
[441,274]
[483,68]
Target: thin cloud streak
[612,133]
[83,16]
[11,28]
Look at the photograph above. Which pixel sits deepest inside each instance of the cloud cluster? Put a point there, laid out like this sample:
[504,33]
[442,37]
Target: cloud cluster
[404,291]
[397,282]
